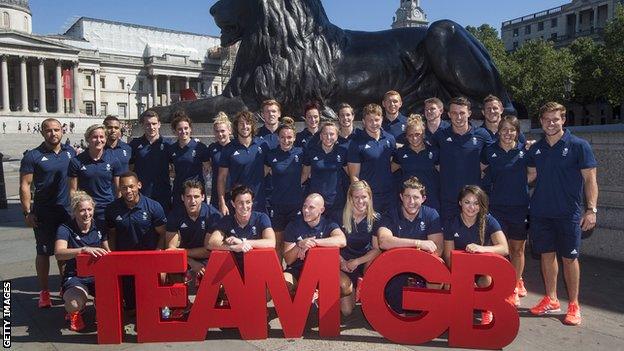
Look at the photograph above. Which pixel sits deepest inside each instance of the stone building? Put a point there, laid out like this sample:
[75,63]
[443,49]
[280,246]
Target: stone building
[410,14]
[99,67]
[562,24]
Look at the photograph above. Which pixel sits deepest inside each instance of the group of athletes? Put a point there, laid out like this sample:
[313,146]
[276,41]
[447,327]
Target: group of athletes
[397,182]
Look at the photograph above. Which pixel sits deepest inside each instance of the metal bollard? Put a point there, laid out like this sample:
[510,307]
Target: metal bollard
[3,194]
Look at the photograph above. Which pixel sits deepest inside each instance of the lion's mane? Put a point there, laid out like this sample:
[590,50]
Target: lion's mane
[287,54]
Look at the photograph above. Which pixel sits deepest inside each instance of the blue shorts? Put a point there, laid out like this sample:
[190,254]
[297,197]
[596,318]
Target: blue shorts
[86,284]
[514,230]
[560,235]
[281,215]
[45,233]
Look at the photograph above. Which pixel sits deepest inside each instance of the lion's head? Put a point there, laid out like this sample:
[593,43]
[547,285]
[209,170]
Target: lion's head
[286,51]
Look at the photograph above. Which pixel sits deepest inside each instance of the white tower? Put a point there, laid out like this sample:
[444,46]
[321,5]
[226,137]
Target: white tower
[410,14]
[15,15]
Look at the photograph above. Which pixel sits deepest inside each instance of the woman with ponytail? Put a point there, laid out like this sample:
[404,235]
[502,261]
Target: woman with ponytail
[475,231]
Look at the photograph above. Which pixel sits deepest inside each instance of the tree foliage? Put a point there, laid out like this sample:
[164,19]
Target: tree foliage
[614,57]
[589,73]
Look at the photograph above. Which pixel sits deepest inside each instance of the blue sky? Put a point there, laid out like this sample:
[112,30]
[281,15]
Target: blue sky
[52,16]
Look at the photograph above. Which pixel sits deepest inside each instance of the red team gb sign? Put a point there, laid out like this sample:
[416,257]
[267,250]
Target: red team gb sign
[443,310]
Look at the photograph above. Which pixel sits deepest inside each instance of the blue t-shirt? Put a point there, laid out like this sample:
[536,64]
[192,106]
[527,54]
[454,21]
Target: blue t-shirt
[192,232]
[215,150]
[76,239]
[360,240]
[135,227]
[374,157]
[123,152]
[187,163]
[270,138]
[509,191]
[429,136]
[96,177]
[258,222]
[298,230]
[396,128]
[326,173]
[559,185]
[456,230]
[246,167]
[460,157]
[151,164]
[305,138]
[286,168]
[427,222]
[421,165]
[49,171]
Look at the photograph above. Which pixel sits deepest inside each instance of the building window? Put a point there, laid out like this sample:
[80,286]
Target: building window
[216,90]
[515,44]
[140,84]
[88,80]
[553,36]
[527,29]
[103,82]
[122,84]
[6,20]
[89,108]
[25,24]
[515,32]
[540,26]
[122,110]
[553,23]
[103,109]
[140,109]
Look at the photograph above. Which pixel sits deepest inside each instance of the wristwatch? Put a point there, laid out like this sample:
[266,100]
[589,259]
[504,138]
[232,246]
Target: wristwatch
[593,209]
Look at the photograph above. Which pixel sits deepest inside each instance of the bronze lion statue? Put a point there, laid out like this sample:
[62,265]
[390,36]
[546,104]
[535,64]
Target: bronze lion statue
[289,51]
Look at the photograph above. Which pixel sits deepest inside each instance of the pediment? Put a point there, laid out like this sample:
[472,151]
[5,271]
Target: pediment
[21,40]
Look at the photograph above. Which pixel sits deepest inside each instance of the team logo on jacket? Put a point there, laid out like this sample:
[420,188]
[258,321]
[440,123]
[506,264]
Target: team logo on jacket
[140,147]
[119,218]
[456,235]
[423,226]
[253,231]
[183,225]
[494,155]
[162,147]
[449,139]
[405,156]
[274,160]
[99,235]
[521,154]
[83,168]
[367,146]
[145,216]
[402,127]
[297,158]
[538,152]
[125,153]
[193,153]
[565,152]
[474,140]
[338,158]
[203,225]
[108,167]
[44,159]
[315,158]
[430,155]
[68,154]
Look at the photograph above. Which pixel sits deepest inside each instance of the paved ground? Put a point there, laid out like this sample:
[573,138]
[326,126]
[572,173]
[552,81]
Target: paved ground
[602,299]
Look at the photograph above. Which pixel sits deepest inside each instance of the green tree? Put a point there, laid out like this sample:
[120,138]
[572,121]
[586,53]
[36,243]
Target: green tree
[539,74]
[488,36]
[614,57]
[589,76]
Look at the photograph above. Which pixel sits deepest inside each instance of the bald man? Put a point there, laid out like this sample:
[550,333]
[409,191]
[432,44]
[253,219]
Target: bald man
[309,230]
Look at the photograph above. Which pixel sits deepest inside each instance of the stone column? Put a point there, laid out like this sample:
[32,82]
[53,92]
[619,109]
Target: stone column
[60,96]
[6,106]
[42,87]
[23,84]
[76,88]
[96,93]
[168,91]
[187,83]
[154,90]
[578,22]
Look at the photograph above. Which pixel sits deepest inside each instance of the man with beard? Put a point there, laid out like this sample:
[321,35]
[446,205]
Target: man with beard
[135,223]
[120,149]
[46,166]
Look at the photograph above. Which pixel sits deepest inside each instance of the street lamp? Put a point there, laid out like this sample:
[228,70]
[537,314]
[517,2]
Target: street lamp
[128,108]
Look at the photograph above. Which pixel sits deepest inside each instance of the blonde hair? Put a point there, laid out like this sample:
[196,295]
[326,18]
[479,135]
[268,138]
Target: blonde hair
[287,123]
[484,204]
[347,213]
[222,118]
[415,121]
[92,128]
[79,197]
[553,107]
